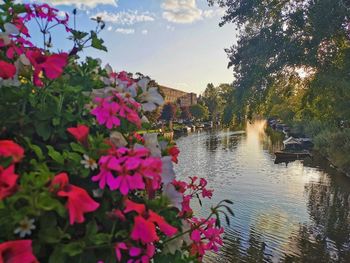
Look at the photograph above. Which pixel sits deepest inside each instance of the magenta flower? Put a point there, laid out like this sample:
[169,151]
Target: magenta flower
[145,223]
[129,169]
[106,113]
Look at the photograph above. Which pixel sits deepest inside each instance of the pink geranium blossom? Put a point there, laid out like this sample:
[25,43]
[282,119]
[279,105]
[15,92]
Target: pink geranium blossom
[8,181]
[145,223]
[205,236]
[106,113]
[79,202]
[18,251]
[80,133]
[51,65]
[110,110]
[7,70]
[129,169]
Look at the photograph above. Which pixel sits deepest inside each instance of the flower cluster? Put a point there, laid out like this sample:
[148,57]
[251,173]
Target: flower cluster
[129,169]
[78,179]
[16,46]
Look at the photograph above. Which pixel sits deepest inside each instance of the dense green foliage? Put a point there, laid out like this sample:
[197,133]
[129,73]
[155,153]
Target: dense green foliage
[291,60]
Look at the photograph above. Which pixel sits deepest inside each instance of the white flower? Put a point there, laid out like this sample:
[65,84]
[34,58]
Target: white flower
[118,139]
[10,29]
[25,227]
[174,196]
[144,119]
[176,244]
[88,162]
[168,174]
[151,142]
[150,97]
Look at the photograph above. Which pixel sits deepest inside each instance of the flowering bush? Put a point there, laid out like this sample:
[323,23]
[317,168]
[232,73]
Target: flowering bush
[78,183]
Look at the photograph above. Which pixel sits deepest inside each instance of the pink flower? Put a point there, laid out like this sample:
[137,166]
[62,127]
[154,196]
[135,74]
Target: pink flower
[106,113]
[11,149]
[145,223]
[118,247]
[80,133]
[8,181]
[205,236]
[7,70]
[144,230]
[51,65]
[19,251]
[174,152]
[129,169]
[79,202]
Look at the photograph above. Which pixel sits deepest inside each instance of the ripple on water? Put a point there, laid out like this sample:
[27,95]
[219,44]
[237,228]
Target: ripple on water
[283,213]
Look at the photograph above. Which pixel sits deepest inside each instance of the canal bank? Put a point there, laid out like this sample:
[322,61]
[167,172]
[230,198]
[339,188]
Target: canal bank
[294,213]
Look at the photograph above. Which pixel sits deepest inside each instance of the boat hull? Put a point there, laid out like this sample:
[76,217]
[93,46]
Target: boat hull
[292,155]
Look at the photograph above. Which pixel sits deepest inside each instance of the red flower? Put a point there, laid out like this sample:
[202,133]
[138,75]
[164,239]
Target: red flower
[79,201]
[8,182]
[52,65]
[80,133]
[145,223]
[7,70]
[174,152]
[19,251]
[9,148]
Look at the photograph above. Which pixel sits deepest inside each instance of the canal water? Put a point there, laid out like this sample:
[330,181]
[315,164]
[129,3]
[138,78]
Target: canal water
[295,212]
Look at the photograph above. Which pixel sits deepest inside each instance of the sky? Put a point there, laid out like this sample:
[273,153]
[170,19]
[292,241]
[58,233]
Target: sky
[176,42]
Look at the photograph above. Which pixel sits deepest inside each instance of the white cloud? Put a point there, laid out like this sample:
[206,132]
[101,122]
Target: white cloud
[82,3]
[109,28]
[144,32]
[186,11]
[126,17]
[181,11]
[126,31]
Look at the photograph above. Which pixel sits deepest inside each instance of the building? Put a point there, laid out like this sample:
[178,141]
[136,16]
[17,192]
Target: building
[182,98]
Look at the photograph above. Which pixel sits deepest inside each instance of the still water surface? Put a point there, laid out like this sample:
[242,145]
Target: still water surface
[294,213]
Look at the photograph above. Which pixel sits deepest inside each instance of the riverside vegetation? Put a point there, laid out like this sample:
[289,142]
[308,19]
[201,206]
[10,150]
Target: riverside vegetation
[292,61]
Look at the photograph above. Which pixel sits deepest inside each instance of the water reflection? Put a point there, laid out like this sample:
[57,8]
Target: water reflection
[298,213]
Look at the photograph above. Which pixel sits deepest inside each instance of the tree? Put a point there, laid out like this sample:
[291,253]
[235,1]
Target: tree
[185,113]
[168,112]
[283,37]
[199,112]
[212,100]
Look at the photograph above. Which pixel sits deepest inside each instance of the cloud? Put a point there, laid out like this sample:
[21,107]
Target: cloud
[83,3]
[126,17]
[181,11]
[109,28]
[126,31]
[144,32]
[186,11]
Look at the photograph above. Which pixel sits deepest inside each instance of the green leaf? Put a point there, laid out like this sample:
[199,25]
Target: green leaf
[57,256]
[72,156]
[100,239]
[36,149]
[56,156]
[48,203]
[77,147]
[50,235]
[74,248]
[97,42]
[43,129]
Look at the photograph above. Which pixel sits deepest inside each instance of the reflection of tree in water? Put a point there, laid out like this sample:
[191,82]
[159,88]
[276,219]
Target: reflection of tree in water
[212,142]
[227,141]
[237,251]
[329,206]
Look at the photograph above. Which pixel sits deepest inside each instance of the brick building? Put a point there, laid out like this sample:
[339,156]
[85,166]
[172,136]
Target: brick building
[184,99]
